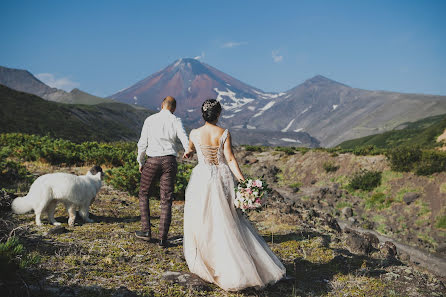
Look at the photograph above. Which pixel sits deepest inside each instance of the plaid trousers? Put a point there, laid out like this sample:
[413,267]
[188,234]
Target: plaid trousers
[164,167]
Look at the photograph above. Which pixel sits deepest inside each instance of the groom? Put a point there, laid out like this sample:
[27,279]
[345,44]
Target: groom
[157,141]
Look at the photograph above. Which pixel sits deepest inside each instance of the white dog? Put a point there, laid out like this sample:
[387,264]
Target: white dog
[76,192]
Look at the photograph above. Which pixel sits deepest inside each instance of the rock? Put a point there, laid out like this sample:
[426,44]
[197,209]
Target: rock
[352,220]
[332,223]
[313,181]
[57,230]
[358,244]
[372,239]
[441,249]
[403,256]
[410,197]
[388,249]
[347,212]
[186,279]
[124,292]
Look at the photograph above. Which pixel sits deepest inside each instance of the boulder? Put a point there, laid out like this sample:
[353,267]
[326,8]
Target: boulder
[410,197]
[359,244]
[186,279]
[388,249]
[347,212]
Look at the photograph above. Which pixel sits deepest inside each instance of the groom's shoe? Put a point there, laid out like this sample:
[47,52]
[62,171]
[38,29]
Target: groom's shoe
[147,236]
[164,243]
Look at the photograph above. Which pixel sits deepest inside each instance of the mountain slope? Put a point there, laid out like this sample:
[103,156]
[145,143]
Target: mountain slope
[327,110]
[191,82]
[423,133]
[24,81]
[333,112]
[26,113]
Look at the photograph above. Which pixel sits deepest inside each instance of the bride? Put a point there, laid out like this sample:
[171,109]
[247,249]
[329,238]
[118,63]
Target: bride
[220,244]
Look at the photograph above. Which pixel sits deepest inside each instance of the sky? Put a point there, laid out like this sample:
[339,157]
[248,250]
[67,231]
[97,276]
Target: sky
[104,46]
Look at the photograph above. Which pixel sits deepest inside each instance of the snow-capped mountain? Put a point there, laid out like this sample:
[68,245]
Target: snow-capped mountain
[191,82]
[329,111]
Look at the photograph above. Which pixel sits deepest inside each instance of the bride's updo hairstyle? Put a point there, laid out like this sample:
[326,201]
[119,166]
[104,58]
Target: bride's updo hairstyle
[210,110]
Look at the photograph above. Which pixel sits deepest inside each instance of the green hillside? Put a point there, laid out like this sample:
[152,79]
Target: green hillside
[26,113]
[422,133]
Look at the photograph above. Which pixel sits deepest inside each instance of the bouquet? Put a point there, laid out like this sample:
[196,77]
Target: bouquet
[251,194]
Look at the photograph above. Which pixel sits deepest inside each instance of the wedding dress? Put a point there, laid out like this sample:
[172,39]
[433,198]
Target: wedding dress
[220,244]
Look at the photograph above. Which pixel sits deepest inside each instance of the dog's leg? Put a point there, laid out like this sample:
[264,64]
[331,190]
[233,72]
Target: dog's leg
[38,221]
[51,208]
[71,214]
[83,211]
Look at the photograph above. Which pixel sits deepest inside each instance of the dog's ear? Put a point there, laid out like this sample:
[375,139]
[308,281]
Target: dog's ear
[95,170]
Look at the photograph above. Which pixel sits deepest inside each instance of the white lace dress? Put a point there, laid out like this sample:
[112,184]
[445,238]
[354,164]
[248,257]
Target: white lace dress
[220,244]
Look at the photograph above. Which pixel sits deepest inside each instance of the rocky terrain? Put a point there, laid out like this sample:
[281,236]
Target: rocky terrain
[404,206]
[303,223]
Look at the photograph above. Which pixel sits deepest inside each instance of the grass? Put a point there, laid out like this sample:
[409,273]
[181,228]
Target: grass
[443,188]
[342,204]
[441,222]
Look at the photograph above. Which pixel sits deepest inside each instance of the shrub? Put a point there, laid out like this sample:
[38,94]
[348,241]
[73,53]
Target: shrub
[441,222]
[365,180]
[330,167]
[404,158]
[12,172]
[254,148]
[286,149]
[14,256]
[378,200]
[366,150]
[127,178]
[431,162]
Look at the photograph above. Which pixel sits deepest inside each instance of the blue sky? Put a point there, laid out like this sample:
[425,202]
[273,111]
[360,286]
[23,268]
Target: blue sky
[104,46]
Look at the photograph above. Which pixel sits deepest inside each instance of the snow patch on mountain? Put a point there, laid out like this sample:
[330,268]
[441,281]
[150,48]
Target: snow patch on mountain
[335,106]
[288,126]
[291,140]
[234,101]
[228,116]
[266,107]
[250,127]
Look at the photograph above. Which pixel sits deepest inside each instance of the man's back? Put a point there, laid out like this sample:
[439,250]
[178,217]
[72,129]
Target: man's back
[159,134]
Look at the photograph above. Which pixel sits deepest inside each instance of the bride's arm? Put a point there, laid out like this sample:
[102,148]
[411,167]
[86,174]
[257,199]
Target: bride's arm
[230,158]
[190,151]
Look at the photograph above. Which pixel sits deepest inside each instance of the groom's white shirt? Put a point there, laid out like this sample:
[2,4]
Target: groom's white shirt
[158,136]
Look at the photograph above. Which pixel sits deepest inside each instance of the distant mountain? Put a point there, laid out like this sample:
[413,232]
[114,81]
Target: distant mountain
[24,81]
[422,133]
[191,82]
[328,110]
[26,113]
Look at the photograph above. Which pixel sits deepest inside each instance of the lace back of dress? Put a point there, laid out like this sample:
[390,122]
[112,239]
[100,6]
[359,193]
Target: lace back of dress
[210,154]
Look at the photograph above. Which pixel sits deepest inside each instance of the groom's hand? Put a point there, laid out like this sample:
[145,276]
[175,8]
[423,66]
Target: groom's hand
[187,155]
[140,169]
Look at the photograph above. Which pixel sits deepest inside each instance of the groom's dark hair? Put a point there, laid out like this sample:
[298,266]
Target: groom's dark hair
[170,102]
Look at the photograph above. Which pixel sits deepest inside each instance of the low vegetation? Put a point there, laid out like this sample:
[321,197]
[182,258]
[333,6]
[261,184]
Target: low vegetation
[365,180]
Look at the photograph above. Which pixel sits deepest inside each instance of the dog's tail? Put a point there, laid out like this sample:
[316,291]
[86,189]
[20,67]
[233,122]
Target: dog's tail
[22,205]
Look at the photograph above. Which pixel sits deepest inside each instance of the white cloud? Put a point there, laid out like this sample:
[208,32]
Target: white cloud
[200,57]
[276,57]
[63,83]
[232,44]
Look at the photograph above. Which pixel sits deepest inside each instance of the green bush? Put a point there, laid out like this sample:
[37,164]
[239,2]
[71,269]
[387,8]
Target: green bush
[330,167]
[366,150]
[441,222]
[254,148]
[127,178]
[378,201]
[13,256]
[404,158]
[12,172]
[365,180]
[431,162]
[286,149]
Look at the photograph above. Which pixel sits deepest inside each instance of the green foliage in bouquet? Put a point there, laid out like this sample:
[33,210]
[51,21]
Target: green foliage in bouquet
[365,180]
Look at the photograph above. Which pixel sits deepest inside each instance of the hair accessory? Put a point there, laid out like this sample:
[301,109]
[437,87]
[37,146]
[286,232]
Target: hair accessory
[209,104]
